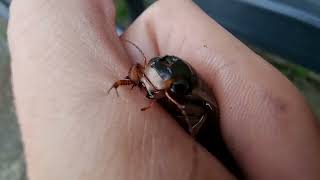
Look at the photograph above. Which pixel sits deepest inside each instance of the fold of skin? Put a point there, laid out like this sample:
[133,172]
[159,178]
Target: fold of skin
[66,54]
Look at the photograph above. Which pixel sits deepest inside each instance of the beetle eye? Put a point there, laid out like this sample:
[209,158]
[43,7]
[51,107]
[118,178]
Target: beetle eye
[180,87]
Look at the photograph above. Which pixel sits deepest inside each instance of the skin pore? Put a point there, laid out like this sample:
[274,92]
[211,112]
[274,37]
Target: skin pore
[66,54]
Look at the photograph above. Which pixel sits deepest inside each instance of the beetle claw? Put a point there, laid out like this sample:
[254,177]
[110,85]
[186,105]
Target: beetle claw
[117,92]
[108,92]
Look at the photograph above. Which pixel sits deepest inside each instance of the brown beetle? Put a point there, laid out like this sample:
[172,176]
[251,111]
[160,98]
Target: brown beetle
[174,84]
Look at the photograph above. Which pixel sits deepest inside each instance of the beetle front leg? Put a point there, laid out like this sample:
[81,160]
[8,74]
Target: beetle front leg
[122,82]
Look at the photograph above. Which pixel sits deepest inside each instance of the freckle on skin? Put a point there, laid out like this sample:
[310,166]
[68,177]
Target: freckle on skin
[277,104]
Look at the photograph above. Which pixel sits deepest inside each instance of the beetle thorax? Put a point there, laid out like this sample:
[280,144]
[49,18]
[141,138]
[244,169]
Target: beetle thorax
[153,82]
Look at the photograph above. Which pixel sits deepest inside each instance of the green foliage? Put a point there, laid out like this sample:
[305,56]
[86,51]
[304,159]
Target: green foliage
[122,16]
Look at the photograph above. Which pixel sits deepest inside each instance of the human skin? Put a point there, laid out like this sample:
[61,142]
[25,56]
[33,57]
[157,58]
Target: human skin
[66,54]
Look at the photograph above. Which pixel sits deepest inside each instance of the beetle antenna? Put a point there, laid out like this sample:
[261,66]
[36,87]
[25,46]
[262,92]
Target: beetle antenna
[137,47]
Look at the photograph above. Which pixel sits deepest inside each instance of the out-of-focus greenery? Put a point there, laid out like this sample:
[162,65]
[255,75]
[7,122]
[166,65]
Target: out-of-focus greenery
[122,17]
[122,13]
[305,80]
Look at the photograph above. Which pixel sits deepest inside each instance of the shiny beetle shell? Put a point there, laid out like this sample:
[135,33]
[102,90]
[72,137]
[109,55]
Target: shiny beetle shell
[168,73]
[176,77]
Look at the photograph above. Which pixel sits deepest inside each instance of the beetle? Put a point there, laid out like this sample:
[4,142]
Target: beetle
[173,83]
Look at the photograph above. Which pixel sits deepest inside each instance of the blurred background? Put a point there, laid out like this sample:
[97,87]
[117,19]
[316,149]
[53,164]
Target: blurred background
[285,32]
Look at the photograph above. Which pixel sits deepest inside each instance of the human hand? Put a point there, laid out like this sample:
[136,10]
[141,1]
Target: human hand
[65,55]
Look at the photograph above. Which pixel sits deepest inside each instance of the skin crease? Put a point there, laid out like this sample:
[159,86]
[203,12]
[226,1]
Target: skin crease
[66,54]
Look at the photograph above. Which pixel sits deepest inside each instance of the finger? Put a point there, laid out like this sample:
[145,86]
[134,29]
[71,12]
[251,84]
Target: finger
[59,69]
[264,119]
[64,57]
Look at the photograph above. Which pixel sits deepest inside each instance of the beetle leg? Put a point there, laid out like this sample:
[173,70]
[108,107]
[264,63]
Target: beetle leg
[133,84]
[182,109]
[174,101]
[147,107]
[120,83]
[198,125]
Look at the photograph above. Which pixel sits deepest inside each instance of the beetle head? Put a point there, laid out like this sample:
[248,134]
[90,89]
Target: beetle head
[135,73]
